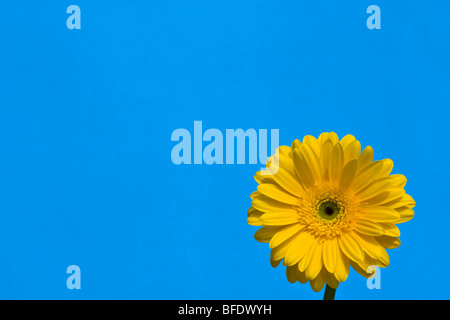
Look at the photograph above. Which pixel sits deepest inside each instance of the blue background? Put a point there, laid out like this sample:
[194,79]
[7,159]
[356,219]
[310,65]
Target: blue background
[86,118]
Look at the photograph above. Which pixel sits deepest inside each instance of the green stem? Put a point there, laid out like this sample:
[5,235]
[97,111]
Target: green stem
[329,293]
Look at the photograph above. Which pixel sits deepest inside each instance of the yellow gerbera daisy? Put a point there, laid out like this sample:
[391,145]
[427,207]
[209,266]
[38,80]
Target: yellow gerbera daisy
[325,206]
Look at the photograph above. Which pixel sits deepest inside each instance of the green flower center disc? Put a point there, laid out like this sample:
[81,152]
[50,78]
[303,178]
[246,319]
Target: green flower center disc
[328,210]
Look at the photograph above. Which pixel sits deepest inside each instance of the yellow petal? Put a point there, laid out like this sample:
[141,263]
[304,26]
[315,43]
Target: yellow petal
[291,273]
[285,150]
[389,242]
[295,144]
[389,196]
[280,218]
[288,180]
[264,177]
[406,201]
[303,170]
[365,158]
[380,214]
[279,252]
[352,151]
[362,268]
[374,189]
[252,211]
[399,180]
[275,263]
[266,233]
[347,140]
[384,260]
[390,229]
[323,137]
[277,193]
[336,163]
[300,275]
[284,234]
[313,143]
[255,194]
[266,204]
[330,254]
[328,136]
[299,247]
[325,156]
[369,245]
[351,248]
[347,174]
[316,263]
[388,165]
[366,176]
[317,283]
[254,218]
[333,137]
[312,159]
[406,214]
[368,227]
[330,279]
[306,255]
[342,267]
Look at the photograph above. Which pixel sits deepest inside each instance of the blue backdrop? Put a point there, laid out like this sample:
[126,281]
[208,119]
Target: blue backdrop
[86,117]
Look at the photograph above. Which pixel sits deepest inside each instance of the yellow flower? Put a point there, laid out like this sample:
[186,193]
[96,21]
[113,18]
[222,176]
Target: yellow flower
[325,206]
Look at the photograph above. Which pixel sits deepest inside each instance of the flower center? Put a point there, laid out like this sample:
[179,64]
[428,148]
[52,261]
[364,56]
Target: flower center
[328,210]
